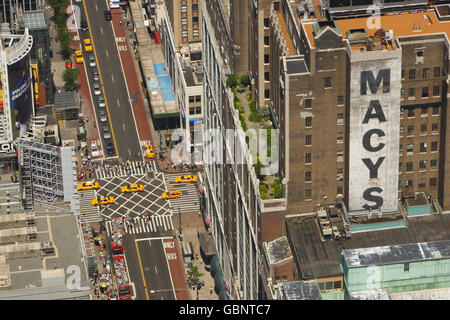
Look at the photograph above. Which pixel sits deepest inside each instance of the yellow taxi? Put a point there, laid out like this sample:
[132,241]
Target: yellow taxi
[186,178]
[103,201]
[79,56]
[172,194]
[132,188]
[88,185]
[87,45]
[149,151]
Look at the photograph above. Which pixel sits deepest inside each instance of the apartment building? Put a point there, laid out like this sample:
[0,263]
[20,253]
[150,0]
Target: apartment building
[231,186]
[361,106]
[185,16]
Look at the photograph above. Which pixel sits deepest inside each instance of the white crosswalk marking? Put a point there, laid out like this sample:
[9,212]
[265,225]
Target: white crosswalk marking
[189,201]
[134,167]
[141,226]
[88,212]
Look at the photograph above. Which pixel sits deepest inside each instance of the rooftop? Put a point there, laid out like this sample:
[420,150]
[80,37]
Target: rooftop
[316,257]
[363,257]
[402,25]
[300,290]
[34,20]
[277,250]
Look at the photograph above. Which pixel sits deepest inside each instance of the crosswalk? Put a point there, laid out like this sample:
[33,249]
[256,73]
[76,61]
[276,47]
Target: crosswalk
[142,225]
[131,168]
[88,212]
[188,202]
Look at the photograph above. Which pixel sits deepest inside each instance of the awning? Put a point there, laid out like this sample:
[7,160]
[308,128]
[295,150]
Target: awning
[207,246]
[218,281]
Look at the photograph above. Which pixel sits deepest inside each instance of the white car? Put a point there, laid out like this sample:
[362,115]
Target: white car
[94,150]
[103,117]
[92,61]
[97,90]
[101,102]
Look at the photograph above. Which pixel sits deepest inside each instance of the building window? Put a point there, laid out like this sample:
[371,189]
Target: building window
[308,140]
[339,190]
[184,21]
[424,110]
[410,129]
[340,137]
[266,58]
[409,184]
[308,157]
[340,118]
[266,76]
[340,171]
[184,8]
[435,110]
[433,181]
[422,183]
[184,33]
[266,94]
[410,113]
[412,73]
[191,98]
[410,148]
[423,128]
[266,22]
[400,167]
[308,193]
[423,147]
[436,90]
[327,82]
[340,156]
[266,40]
[401,130]
[198,98]
[437,71]
[194,20]
[434,127]
[195,33]
[433,163]
[425,92]
[308,176]
[423,164]
[403,73]
[406,267]
[308,103]
[192,110]
[434,146]
[411,92]
[409,166]
[340,100]
[195,7]
[308,122]
[425,73]
[198,110]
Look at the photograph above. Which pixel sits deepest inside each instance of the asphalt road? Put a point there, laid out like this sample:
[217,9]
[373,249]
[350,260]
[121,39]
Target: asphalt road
[150,265]
[112,76]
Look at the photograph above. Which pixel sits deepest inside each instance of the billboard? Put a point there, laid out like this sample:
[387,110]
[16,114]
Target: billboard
[21,95]
[374,130]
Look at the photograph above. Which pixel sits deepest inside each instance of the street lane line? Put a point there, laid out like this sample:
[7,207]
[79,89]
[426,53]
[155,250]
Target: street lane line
[112,77]
[101,82]
[123,125]
[106,51]
[156,270]
[129,152]
[96,9]
[101,30]
[168,267]
[118,103]
[154,238]
[142,270]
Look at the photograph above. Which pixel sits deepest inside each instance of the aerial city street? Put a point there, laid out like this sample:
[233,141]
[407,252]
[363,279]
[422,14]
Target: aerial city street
[224,150]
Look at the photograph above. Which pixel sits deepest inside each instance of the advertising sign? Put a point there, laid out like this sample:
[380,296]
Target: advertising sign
[20,87]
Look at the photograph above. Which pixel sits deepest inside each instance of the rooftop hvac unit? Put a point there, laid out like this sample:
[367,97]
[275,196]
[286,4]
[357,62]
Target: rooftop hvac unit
[301,8]
[310,6]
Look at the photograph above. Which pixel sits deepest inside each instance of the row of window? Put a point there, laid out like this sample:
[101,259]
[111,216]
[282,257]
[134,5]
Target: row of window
[339,190]
[424,111]
[184,33]
[421,183]
[422,165]
[196,98]
[195,110]
[425,73]
[425,93]
[184,20]
[423,128]
[308,102]
[422,147]
[184,7]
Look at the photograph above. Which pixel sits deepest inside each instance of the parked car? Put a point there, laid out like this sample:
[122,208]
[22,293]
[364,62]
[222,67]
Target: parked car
[95,74]
[97,90]
[103,116]
[108,16]
[79,56]
[110,148]
[87,45]
[106,133]
[84,26]
[92,62]
[94,150]
[101,102]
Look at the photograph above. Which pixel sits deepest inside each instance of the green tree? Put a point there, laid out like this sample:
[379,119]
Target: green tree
[70,76]
[65,37]
[193,276]
[232,81]
[244,80]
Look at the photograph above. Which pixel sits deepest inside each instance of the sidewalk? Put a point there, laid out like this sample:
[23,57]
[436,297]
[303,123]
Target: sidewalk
[192,224]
